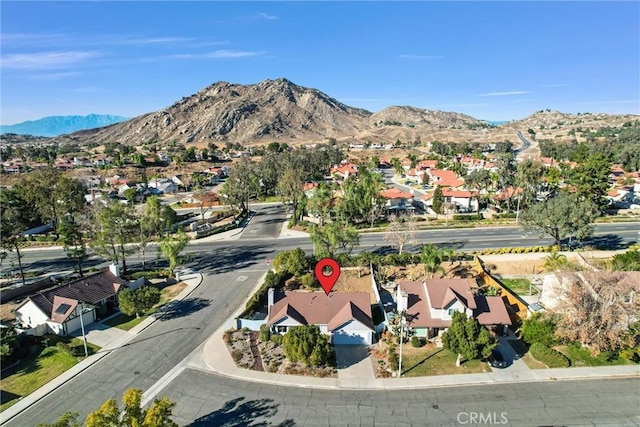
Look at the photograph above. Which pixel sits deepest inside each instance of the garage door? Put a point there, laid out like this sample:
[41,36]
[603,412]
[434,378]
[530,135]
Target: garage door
[346,338]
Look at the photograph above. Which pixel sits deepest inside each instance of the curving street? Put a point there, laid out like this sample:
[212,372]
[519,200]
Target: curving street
[231,269]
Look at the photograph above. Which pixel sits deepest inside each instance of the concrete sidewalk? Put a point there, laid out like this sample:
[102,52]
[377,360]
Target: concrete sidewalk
[111,342]
[218,360]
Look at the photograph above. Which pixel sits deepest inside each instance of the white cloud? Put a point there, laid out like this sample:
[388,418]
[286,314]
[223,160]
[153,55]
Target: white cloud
[405,56]
[46,60]
[218,54]
[266,16]
[513,92]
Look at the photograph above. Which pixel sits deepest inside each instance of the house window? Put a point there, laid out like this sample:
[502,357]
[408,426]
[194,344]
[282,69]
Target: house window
[281,329]
[452,310]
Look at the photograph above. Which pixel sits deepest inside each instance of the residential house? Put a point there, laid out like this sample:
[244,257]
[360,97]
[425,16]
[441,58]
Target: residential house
[463,200]
[58,310]
[445,178]
[344,170]
[397,200]
[162,186]
[345,317]
[63,164]
[430,304]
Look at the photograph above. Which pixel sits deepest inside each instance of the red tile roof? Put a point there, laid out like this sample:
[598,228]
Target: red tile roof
[461,194]
[395,193]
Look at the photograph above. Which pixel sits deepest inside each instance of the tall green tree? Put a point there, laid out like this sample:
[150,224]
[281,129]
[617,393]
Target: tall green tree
[52,194]
[157,217]
[591,179]
[242,184]
[171,246]
[530,173]
[137,301]
[467,338]
[290,190]
[332,237]
[114,227]
[15,217]
[561,216]
[73,240]
[321,202]
[438,200]
[478,180]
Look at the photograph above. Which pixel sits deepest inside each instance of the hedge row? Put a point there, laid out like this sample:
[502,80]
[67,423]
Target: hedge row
[515,250]
[259,299]
[467,217]
[550,357]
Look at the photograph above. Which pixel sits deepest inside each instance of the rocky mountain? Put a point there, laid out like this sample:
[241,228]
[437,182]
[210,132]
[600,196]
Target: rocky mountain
[59,125]
[279,110]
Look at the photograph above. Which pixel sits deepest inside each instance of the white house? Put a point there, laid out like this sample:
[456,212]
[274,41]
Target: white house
[397,199]
[463,200]
[346,317]
[57,310]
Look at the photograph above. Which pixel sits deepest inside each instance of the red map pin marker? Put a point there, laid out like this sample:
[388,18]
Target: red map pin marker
[327,281]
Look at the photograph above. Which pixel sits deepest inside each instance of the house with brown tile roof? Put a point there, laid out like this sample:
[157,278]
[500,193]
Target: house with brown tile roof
[430,305]
[344,316]
[397,199]
[57,310]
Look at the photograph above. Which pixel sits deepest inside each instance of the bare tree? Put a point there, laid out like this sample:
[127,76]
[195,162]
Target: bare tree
[401,230]
[597,307]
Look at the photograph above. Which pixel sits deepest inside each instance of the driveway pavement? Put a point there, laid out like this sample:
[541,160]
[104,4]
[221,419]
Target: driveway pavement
[355,369]
[100,334]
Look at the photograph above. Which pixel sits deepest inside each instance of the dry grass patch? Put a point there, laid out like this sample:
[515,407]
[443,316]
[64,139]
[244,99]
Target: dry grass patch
[355,280]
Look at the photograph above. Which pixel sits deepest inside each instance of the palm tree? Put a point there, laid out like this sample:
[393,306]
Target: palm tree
[555,261]
[432,256]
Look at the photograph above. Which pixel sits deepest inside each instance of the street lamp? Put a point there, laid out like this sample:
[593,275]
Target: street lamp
[402,322]
[84,336]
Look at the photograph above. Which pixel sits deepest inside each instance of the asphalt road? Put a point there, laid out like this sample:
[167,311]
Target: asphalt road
[230,273]
[263,229]
[231,270]
[209,400]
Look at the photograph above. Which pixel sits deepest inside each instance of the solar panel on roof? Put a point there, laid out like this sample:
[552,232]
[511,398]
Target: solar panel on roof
[62,308]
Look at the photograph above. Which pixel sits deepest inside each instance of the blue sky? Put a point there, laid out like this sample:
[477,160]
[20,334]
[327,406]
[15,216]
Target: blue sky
[492,60]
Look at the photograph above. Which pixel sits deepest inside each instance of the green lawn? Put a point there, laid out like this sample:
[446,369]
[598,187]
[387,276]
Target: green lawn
[124,322]
[419,362]
[42,365]
[581,356]
[519,286]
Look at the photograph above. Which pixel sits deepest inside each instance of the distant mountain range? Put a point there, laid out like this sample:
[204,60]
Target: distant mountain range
[60,125]
[279,110]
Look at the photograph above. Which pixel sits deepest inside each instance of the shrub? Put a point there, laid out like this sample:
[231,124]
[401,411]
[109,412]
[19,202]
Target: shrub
[227,336]
[307,345]
[467,217]
[264,333]
[538,329]
[276,339]
[66,348]
[394,361]
[417,341]
[631,354]
[549,356]
[236,355]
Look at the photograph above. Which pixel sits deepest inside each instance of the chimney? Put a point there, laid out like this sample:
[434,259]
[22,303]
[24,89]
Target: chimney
[402,300]
[114,269]
[270,298]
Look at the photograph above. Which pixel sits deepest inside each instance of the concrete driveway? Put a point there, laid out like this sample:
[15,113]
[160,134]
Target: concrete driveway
[100,334]
[353,362]
[516,369]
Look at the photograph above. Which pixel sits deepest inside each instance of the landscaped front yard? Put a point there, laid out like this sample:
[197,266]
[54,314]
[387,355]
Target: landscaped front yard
[40,367]
[431,360]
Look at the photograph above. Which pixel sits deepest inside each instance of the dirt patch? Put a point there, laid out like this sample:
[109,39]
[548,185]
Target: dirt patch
[171,291]
[356,279]
[250,353]
[6,311]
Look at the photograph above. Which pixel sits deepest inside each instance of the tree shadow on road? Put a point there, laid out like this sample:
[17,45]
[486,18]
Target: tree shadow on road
[182,308]
[230,258]
[236,413]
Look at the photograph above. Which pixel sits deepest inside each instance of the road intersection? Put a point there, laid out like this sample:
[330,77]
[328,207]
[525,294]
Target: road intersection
[160,358]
